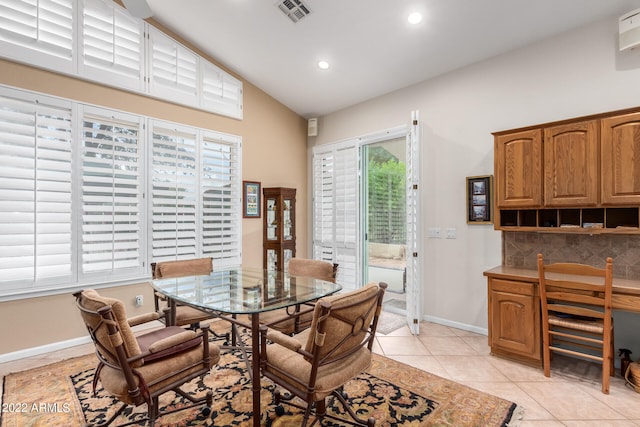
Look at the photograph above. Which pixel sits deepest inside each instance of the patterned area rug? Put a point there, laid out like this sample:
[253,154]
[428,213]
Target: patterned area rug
[395,394]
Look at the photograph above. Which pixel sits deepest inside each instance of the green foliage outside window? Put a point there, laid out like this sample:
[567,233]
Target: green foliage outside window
[387,198]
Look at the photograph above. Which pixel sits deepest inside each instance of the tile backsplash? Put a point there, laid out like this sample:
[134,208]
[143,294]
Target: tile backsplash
[520,249]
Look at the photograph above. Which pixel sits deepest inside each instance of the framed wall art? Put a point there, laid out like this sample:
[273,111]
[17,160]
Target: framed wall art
[250,199]
[480,199]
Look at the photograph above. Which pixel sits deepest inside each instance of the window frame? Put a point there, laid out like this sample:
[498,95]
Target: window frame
[10,290]
[15,47]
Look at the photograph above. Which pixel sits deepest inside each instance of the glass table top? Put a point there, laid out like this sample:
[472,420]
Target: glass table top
[238,290]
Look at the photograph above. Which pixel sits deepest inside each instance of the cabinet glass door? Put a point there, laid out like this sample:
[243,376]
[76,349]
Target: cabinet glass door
[272,220]
[287,222]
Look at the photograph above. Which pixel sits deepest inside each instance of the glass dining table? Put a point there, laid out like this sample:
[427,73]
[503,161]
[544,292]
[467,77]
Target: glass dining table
[234,291]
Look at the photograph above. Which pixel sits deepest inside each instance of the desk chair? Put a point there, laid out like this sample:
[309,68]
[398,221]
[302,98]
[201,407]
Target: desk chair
[137,370]
[576,313]
[319,361]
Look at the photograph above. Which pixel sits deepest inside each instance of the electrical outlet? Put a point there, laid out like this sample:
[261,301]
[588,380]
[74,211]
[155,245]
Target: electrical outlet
[434,233]
[451,233]
[139,300]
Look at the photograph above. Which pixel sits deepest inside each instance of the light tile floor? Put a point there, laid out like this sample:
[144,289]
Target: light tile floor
[570,397]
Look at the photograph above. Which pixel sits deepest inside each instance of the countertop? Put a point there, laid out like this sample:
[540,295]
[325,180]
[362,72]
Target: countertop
[620,286]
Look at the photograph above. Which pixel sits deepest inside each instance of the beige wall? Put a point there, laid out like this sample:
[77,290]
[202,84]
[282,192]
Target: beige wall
[274,152]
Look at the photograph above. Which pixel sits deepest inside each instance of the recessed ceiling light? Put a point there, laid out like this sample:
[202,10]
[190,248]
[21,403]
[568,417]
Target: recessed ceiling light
[415,18]
[323,65]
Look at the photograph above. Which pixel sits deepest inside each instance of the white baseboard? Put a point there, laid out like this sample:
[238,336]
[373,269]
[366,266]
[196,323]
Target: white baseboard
[60,345]
[457,325]
[48,348]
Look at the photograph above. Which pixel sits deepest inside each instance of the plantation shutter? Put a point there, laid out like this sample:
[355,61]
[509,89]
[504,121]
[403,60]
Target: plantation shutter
[221,199]
[112,45]
[38,32]
[35,189]
[221,92]
[336,207]
[414,294]
[111,193]
[173,69]
[174,195]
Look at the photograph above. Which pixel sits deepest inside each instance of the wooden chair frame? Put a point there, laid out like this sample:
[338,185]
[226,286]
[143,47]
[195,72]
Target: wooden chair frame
[576,313]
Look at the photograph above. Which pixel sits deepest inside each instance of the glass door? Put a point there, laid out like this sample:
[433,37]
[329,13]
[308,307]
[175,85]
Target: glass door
[384,217]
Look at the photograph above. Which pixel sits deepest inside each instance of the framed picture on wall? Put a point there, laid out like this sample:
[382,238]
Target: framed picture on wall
[480,199]
[250,199]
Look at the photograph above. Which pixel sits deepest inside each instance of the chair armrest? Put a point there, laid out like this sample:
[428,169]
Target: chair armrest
[284,340]
[143,318]
[172,341]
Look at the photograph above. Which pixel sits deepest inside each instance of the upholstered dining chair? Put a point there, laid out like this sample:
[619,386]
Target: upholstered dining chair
[137,370]
[576,313]
[285,320]
[318,362]
[184,315]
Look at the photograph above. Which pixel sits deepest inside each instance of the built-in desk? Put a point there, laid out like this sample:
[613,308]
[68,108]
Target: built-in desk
[514,311]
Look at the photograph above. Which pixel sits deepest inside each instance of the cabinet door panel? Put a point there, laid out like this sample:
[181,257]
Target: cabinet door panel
[514,324]
[571,164]
[517,168]
[620,148]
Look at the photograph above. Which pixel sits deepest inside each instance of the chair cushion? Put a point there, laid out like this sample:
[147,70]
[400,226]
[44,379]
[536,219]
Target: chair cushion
[93,301]
[146,340]
[153,372]
[322,270]
[189,267]
[187,315]
[339,329]
[286,324]
[330,376]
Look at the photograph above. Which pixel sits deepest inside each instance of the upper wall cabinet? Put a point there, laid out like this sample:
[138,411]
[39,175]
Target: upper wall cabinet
[578,175]
[518,169]
[621,159]
[571,164]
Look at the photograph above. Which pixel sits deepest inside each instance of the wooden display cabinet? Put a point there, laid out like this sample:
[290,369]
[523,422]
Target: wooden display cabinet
[279,231]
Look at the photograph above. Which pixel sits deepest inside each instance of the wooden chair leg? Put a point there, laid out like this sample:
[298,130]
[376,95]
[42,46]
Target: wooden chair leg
[546,356]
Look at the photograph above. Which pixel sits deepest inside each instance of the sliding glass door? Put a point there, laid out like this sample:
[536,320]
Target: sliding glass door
[365,205]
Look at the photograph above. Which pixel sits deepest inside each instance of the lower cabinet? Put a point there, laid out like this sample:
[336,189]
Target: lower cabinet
[514,320]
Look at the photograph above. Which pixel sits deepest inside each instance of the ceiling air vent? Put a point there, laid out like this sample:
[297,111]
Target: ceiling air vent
[294,9]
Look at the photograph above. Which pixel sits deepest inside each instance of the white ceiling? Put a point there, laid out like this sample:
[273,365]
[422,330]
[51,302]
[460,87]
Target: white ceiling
[370,45]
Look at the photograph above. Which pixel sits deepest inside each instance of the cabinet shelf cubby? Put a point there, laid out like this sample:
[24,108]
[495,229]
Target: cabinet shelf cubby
[572,220]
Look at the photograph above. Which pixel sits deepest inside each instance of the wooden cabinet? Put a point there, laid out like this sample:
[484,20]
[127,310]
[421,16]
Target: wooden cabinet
[279,230]
[518,169]
[575,176]
[514,320]
[620,154]
[571,164]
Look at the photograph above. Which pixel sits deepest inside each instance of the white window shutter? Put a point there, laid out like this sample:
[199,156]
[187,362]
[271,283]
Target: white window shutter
[174,192]
[221,199]
[173,69]
[112,45]
[40,32]
[336,205]
[35,189]
[221,92]
[111,193]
